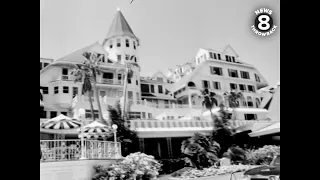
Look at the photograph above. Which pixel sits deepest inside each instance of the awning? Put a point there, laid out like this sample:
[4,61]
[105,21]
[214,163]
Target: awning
[178,128]
[272,129]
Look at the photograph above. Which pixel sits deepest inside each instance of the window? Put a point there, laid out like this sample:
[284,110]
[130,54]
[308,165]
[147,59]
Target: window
[103,93]
[127,42]
[249,101]
[233,73]
[245,75]
[145,88]
[257,77]
[257,102]
[143,115]
[120,93]
[74,91]
[216,85]
[56,90]
[88,114]
[119,57]
[118,42]
[216,71]
[250,116]
[137,83]
[127,57]
[233,86]
[219,56]
[228,58]
[130,95]
[149,115]
[166,103]
[107,76]
[211,55]
[233,59]
[45,65]
[110,44]
[242,87]
[119,77]
[45,90]
[152,88]
[137,96]
[134,45]
[65,74]
[53,114]
[129,81]
[159,79]
[134,115]
[244,103]
[214,55]
[43,114]
[64,113]
[65,89]
[135,59]
[160,89]
[205,84]
[251,88]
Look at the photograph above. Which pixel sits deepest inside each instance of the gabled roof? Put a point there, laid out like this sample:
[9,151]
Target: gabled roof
[229,47]
[119,27]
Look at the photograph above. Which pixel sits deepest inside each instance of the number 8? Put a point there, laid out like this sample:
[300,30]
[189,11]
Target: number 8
[266,22]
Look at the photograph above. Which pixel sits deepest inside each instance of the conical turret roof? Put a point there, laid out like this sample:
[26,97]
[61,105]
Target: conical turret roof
[119,27]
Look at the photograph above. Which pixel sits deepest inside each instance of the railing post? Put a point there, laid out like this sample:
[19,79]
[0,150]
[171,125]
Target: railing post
[145,102]
[173,105]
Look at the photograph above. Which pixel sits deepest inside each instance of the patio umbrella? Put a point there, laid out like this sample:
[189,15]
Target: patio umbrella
[61,122]
[95,130]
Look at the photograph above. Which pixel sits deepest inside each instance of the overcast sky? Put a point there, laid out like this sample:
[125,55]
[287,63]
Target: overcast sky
[171,31]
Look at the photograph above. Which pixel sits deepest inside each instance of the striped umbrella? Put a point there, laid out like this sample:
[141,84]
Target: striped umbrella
[95,130]
[61,122]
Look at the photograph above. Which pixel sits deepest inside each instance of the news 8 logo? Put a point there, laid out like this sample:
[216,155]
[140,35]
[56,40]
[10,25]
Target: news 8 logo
[263,23]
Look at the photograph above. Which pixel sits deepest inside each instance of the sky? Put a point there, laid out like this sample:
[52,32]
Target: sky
[170,31]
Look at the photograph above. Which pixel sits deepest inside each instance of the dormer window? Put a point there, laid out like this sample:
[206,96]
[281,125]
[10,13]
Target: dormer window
[127,42]
[228,58]
[214,55]
[219,56]
[211,55]
[110,44]
[118,42]
[134,45]
[233,59]
[135,59]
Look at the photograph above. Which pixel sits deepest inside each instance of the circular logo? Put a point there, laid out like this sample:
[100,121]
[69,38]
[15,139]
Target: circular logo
[263,23]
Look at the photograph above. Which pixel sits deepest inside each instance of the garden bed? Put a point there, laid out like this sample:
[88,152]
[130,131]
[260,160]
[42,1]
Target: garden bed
[210,173]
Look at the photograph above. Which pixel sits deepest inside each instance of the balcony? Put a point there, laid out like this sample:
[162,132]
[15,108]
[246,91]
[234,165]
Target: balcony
[63,78]
[110,81]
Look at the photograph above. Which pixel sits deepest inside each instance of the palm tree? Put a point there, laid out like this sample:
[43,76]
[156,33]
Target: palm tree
[209,102]
[232,98]
[88,72]
[128,75]
[127,137]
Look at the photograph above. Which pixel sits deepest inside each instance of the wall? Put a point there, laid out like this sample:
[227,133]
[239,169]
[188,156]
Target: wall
[70,170]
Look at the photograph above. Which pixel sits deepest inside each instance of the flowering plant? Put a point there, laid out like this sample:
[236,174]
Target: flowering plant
[134,166]
[262,155]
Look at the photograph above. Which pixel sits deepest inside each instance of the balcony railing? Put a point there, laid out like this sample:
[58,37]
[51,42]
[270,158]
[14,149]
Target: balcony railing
[64,78]
[110,81]
[66,150]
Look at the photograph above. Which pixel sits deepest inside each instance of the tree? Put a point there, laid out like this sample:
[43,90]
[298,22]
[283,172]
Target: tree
[209,102]
[128,75]
[125,136]
[200,151]
[87,72]
[232,98]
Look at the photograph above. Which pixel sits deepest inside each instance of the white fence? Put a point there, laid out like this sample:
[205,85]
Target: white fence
[65,150]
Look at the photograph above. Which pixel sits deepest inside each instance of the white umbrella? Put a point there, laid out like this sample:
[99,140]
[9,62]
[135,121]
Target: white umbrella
[272,129]
[61,122]
[95,130]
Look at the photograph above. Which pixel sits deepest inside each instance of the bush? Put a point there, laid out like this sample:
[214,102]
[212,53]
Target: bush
[200,152]
[236,155]
[171,165]
[137,165]
[262,156]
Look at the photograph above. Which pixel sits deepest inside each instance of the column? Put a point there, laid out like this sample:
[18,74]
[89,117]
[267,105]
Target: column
[141,145]
[190,100]
[169,145]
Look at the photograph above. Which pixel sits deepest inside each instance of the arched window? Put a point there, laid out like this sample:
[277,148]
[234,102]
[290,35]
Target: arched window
[257,102]
[191,84]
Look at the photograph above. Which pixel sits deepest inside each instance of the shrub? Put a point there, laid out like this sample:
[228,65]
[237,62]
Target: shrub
[262,156]
[236,155]
[171,165]
[136,165]
[200,152]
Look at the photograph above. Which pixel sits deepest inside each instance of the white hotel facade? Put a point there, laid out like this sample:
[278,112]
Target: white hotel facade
[157,102]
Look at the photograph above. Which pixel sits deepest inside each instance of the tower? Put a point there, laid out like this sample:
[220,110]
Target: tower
[122,45]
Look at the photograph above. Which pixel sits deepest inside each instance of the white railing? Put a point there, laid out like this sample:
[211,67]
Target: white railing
[110,81]
[64,78]
[66,150]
